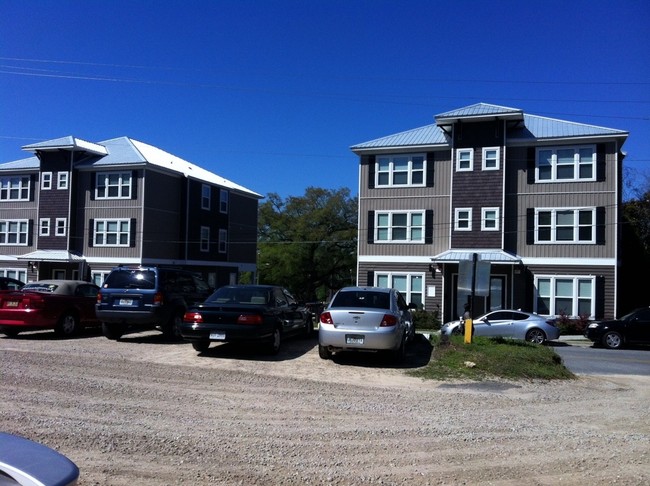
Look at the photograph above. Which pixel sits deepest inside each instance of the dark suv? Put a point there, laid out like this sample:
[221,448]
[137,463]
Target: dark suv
[147,298]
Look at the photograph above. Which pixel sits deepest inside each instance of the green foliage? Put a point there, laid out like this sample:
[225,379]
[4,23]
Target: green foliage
[429,320]
[308,244]
[496,357]
[570,326]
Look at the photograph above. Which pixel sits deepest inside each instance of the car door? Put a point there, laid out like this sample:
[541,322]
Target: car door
[638,327]
[498,323]
[86,297]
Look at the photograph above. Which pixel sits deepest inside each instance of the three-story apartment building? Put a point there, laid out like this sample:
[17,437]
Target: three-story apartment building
[76,209]
[537,198]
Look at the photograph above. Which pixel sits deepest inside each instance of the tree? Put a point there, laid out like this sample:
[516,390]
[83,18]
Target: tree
[308,244]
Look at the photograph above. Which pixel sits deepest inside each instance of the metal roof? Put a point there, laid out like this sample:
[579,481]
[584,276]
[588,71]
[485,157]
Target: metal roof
[492,256]
[51,255]
[67,143]
[479,110]
[427,135]
[538,127]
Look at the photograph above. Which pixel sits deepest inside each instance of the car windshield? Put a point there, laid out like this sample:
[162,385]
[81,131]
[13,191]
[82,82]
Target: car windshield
[131,279]
[240,295]
[362,298]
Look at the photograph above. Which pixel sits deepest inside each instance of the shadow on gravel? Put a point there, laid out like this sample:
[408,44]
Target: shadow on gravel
[49,334]
[418,354]
[291,348]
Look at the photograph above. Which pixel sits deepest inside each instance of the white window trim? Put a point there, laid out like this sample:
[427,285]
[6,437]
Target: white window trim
[62,180]
[391,226]
[6,234]
[223,241]
[119,221]
[7,189]
[102,274]
[576,278]
[471,159]
[206,196]
[61,227]
[498,158]
[44,227]
[391,170]
[576,226]
[46,181]
[576,163]
[204,244]
[17,273]
[496,219]
[120,185]
[457,220]
[224,201]
[409,277]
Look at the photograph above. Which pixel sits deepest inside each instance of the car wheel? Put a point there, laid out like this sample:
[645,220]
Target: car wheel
[324,352]
[457,331]
[536,336]
[201,346]
[612,340]
[172,328]
[112,331]
[276,341]
[68,325]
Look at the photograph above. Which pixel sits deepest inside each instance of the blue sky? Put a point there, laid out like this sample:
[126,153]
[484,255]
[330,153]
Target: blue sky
[271,94]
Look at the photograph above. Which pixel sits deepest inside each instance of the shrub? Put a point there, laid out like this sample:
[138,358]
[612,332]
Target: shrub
[426,319]
[569,325]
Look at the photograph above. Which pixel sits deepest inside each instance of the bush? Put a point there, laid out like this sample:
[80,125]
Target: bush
[426,320]
[572,326]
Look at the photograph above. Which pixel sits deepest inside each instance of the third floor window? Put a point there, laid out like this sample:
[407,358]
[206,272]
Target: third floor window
[113,185]
[14,188]
[400,170]
[566,164]
[400,227]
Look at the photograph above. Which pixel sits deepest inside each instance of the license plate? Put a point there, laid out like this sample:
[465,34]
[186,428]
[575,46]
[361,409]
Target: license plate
[11,303]
[218,336]
[125,302]
[354,339]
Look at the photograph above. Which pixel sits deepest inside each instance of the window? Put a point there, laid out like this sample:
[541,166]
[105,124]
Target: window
[113,185]
[565,225]
[565,295]
[490,219]
[223,201]
[205,196]
[400,227]
[463,219]
[566,164]
[464,160]
[61,226]
[46,181]
[112,232]
[14,232]
[205,238]
[98,277]
[62,180]
[491,158]
[410,285]
[223,241]
[14,273]
[400,170]
[14,188]
[44,227]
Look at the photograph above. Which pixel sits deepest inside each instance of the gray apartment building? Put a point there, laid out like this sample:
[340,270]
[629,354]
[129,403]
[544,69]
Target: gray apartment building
[76,209]
[536,198]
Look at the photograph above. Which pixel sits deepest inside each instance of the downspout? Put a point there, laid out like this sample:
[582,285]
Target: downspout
[187,216]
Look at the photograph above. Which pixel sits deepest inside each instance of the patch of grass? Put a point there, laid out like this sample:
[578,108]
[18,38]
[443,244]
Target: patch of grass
[497,357]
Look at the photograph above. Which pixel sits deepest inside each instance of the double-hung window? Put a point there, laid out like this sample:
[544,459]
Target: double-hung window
[62,180]
[491,158]
[112,232]
[206,191]
[113,185]
[410,285]
[565,225]
[464,160]
[205,238]
[400,170]
[557,164]
[61,226]
[399,227]
[489,219]
[463,219]
[14,232]
[223,201]
[572,296]
[223,241]
[46,181]
[14,188]
[44,227]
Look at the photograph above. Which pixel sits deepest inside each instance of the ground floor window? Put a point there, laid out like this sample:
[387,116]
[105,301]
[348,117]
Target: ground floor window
[572,296]
[14,273]
[98,277]
[410,285]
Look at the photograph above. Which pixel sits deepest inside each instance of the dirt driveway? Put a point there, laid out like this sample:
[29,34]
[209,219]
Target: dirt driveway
[147,412]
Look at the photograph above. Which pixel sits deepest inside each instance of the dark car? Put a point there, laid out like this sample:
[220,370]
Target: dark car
[7,283]
[63,305]
[264,314]
[147,298]
[633,328]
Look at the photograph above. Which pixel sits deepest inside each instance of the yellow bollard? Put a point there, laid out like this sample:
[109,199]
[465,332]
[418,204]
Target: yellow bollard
[468,331]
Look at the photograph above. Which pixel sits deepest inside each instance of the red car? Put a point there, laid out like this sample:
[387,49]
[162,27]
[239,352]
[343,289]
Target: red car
[63,305]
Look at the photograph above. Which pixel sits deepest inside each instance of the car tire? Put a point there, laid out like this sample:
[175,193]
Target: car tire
[67,326]
[201,346]
[536,336]
[112,331]
[276,341]
[172,328]
[457,331]
[612,340]
[324,352]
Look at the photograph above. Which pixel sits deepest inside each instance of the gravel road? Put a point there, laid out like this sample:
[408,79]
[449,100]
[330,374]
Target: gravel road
[148,412]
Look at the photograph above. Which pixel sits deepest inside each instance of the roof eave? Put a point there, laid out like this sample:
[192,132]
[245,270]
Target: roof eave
[393,148]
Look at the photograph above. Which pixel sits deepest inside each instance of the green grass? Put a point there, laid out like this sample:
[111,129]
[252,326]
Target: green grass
[493,358]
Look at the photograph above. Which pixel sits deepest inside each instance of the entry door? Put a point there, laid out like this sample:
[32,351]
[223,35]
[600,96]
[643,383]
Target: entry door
[496,300]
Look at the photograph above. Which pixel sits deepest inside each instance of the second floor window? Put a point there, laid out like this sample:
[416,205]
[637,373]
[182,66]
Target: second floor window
[113,185]
[14,188]
[566,164]
[490,219]
[112,232]
[399,227]
[565,225]
[400,170]
[62,180]
[61,226]
[223,201]
[205,238]
[463,219]
[44,227]
[464,160]
[205,196]
[491,157]
[223,241]
[14,232]
[46,181]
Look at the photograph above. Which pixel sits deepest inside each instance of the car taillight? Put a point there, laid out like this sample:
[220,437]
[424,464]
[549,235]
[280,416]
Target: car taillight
[326,318]
[249,319]
[388,320]
[157,298]
[192,317]
[99,297]
[31,302]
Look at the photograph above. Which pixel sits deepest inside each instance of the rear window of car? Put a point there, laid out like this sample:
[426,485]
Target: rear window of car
[131,279]
[36,287]
[357,299]
[236,295]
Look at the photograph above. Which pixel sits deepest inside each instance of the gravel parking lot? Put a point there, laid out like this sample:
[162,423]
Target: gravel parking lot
[144,411]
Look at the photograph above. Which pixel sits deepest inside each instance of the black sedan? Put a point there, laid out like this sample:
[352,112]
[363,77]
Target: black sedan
[633,328]
[263,314]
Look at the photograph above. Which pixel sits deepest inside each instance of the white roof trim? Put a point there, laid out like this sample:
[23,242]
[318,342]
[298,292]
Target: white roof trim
[51,255]
[492,256]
